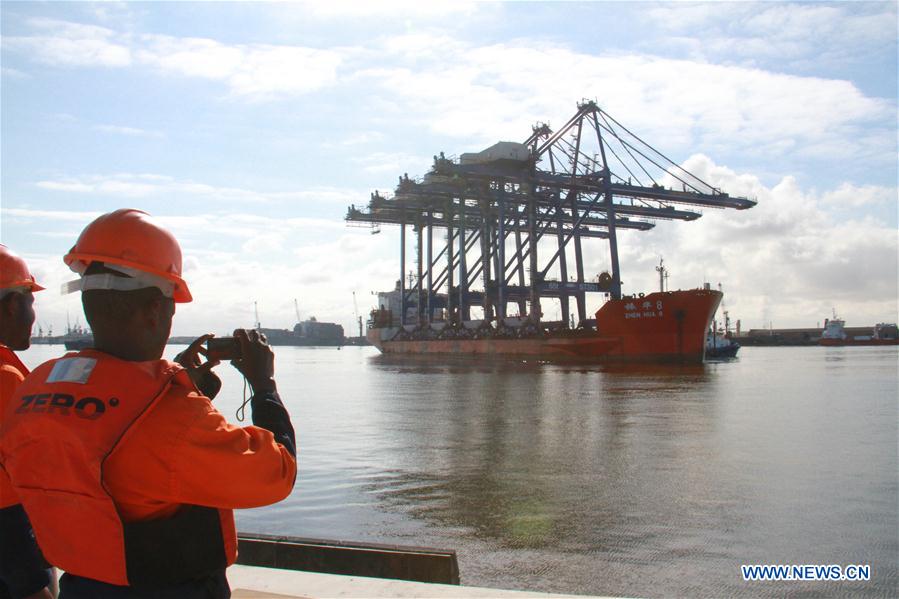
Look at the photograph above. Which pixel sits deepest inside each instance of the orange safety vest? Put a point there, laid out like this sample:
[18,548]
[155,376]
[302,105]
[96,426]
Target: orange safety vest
[12,371]
[63,422]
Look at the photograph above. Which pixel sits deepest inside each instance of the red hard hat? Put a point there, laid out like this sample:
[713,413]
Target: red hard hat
[130,238]
[14,272]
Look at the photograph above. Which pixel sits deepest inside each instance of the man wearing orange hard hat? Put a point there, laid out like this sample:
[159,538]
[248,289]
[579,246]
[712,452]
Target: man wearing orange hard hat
[137,475]
[22,570]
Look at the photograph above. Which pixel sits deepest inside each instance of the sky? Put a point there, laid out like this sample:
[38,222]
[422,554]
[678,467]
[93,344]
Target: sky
[249,128]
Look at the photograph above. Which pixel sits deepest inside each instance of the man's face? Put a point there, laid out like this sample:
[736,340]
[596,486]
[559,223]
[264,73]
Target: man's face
[18,318]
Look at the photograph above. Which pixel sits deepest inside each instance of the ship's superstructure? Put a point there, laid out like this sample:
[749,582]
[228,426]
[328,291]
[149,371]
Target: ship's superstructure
[516,219]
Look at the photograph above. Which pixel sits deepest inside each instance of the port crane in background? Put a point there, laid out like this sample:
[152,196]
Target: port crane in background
[356,313]
[587,180]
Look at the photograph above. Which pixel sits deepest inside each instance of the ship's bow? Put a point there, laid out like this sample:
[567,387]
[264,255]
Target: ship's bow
[666,326]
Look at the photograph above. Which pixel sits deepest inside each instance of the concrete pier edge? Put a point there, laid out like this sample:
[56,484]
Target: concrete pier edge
[255,582]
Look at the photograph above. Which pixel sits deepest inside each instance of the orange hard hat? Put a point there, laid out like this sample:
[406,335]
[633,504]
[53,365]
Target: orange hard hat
[130,238]
[14,272]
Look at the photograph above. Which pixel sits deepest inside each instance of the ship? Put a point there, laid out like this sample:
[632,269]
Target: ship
[76,338]
[720,343]
[77,343]
[658,327]
[834,334]
[482,290]
[309,332]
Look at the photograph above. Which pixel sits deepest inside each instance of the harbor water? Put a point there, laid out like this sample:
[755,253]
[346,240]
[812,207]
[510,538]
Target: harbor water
[612,480]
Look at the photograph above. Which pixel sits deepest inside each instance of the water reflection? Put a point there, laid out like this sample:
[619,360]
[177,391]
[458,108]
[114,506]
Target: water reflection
[529,455]
[542,475]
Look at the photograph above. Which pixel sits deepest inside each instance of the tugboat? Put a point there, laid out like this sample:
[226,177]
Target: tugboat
[719,344]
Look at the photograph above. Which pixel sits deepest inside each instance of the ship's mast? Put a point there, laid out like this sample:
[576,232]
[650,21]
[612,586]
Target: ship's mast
[663,274]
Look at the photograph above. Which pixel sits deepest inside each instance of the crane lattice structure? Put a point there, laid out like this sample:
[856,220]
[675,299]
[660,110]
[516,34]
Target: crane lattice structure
[591,178]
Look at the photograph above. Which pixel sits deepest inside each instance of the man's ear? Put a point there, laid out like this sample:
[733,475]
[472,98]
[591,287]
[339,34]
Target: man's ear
[9,306]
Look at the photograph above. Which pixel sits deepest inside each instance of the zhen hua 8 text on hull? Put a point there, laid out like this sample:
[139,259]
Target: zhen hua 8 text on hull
[515,223]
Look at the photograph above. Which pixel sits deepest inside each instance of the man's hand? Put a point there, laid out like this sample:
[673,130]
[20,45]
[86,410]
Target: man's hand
[257,360]
[200,372]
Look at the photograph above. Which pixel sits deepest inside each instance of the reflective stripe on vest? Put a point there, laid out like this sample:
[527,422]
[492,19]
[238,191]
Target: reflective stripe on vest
[64,420]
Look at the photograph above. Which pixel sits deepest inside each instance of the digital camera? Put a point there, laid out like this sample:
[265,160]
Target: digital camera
[222,348]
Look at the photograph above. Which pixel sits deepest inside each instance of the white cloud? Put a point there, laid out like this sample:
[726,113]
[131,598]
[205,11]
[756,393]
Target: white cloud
[387,9]
[84,216]
[358,139]
[487,92]
[130,131]
[252,71]
[255,71]
[234,229]
[66,186]
[192,57]
[783,33]
[71,45]
[126,186]
[14,73]
[71,30]
[391,162]
[147,185]
[852,196]
[422,45]
[787,259]
[116,11]
[495,92]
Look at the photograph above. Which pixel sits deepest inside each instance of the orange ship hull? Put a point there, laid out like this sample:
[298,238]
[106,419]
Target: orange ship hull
[661,326]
